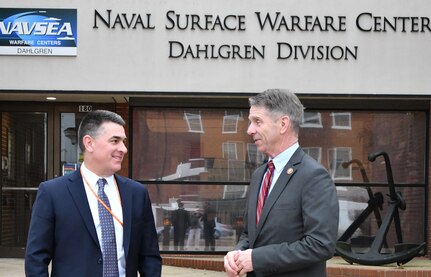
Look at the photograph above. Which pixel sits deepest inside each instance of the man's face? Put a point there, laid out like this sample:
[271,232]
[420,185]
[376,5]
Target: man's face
[264,130]
[109,148]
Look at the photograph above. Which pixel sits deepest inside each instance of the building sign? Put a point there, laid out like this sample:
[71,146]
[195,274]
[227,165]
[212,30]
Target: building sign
[43,32]
[311,47]
[283,27]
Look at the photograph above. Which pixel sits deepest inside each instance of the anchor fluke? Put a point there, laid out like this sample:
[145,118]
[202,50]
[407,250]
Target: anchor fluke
[403,254]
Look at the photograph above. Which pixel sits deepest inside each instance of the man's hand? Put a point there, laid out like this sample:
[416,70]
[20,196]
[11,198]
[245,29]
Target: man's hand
[238,263]
[230,263]
[244,262]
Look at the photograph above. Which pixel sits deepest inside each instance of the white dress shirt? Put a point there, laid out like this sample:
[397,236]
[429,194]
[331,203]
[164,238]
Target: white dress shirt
[112,192]
[280,162]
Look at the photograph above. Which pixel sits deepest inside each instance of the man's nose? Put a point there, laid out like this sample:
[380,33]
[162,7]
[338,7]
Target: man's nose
[250,130]
[123,148]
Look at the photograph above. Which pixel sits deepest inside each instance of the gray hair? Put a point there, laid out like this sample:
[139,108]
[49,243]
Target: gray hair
[280,102]
[90,124]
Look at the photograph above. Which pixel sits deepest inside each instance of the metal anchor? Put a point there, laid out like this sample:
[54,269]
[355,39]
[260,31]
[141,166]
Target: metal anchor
[403,252]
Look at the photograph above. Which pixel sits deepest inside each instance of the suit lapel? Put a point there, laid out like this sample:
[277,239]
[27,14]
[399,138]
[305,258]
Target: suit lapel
[126,201]
[77,191]
[288,171]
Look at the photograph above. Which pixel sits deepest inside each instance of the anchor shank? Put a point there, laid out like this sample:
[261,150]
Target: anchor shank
[377,244]
[378,202]
[398,226]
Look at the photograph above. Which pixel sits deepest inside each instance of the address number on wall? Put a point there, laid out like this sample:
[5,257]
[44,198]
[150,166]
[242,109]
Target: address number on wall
[85,108]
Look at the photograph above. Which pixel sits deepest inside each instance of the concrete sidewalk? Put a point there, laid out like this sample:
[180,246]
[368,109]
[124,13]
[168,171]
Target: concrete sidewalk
[420,266]
[15,268]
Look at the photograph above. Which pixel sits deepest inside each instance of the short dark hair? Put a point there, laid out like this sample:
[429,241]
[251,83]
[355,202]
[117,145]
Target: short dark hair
[92,121]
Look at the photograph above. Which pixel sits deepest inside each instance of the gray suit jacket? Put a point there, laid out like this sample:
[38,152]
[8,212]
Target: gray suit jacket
[298,227]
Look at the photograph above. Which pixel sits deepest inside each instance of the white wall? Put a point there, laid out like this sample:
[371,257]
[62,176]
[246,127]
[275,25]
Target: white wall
[138,60]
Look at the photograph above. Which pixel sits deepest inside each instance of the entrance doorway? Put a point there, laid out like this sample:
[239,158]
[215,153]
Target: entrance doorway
[38,142]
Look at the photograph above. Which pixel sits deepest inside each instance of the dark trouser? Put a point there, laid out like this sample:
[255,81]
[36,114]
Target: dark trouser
[179,240]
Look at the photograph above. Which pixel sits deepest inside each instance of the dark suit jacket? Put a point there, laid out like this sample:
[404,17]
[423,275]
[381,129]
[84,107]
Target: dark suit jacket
[180,221]
[62,231]
[298,227]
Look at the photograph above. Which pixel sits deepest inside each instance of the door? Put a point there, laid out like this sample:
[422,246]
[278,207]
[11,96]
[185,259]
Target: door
[38,142]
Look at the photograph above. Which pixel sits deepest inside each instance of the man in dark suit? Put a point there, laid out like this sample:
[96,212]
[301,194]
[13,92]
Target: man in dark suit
[295,231]
[180,221]
[66,227]
[209,223]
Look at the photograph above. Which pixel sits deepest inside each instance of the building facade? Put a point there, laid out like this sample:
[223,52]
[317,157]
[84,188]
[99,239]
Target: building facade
[181,72]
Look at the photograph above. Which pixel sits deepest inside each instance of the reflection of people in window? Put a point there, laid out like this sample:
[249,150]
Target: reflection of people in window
[209,227]
[194,231]
[180,221]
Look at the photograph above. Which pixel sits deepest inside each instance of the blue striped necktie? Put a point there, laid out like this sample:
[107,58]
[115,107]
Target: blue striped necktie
[109,246]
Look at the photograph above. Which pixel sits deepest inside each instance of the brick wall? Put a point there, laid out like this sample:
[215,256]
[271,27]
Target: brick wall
[336,267]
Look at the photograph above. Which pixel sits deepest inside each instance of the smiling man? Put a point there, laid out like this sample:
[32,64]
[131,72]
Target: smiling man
[291,217]
[94,222]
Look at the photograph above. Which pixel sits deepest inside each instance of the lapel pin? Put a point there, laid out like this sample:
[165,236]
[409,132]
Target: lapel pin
[290,171]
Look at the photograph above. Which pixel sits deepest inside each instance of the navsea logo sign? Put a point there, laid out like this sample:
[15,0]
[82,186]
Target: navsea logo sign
[44,32]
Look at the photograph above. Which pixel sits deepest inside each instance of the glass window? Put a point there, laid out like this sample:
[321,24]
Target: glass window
[222,216]
[312,120]
[194,157]
[230,124]
[194,122]
[71,154]
[402,135]
[341,121]
[254,157]
[314,152]
[164,148]
[24,157]
[230,151]
[353,201]
[336,159]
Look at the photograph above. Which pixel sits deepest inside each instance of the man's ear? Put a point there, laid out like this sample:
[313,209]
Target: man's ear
[88,143]
[285,124]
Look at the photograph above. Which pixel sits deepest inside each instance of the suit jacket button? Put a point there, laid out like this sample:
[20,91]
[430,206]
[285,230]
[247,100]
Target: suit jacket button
[99,261]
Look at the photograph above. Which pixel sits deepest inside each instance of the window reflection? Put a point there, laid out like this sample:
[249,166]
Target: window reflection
[312,120]
[230,124]
[336,157]
[353,201]
[213,214]
[166,147]
[341,120]
[194,122]
[314,152]
[204,157]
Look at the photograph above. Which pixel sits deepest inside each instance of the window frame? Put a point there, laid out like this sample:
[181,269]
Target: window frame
[335,125]
[318,102]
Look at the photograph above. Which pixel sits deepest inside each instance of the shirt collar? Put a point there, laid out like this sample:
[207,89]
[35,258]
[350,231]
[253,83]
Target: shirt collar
[92,178]
[283,158]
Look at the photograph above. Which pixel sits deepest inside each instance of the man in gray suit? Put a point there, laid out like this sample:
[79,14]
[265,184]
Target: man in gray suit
[295,231]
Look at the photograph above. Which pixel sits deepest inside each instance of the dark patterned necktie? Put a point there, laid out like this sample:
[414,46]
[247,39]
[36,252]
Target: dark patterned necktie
[109,245]
[264,190]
